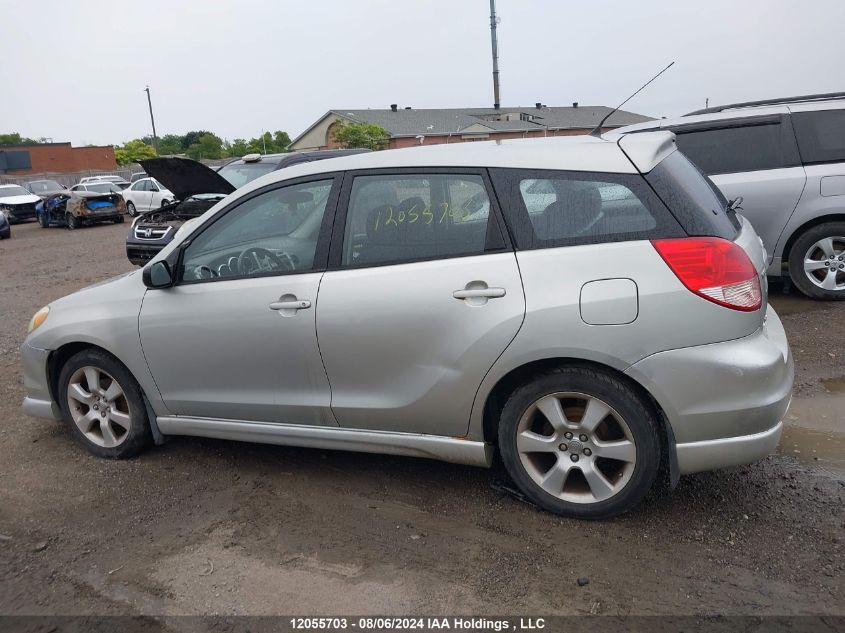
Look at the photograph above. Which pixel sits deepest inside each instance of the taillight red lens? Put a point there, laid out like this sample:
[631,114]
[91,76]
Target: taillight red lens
[715,269]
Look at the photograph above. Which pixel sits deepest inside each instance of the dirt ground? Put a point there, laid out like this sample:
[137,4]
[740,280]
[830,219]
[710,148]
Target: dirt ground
[202,527]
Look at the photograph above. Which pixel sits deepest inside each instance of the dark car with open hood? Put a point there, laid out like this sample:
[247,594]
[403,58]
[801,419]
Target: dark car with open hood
[197,188]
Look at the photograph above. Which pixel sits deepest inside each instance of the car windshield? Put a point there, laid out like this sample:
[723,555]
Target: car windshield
[43,186]
[8,192]
[240,174]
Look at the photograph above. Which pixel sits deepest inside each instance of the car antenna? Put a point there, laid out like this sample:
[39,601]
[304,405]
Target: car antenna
[597,130]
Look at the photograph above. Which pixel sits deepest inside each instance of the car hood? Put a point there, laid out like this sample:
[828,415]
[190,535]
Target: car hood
[185,177]
[27,199]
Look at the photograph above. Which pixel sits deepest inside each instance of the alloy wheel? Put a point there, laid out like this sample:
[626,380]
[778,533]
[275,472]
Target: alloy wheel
[576,447]
[824,263]
[98,406]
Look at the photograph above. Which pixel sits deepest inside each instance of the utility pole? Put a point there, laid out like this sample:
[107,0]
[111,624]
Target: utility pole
[493,22]
[152,120]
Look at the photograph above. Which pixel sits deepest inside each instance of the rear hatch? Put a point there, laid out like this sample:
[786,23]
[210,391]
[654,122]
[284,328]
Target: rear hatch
[698,205]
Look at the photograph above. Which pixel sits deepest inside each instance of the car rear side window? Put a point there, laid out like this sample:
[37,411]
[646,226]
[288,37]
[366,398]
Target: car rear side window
[693,198]
[742,148]
[547,209]
[821,135]
[401,218]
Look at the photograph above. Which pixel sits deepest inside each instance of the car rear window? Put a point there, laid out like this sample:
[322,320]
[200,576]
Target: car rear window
[740,148]
[821,135]
[547,209]
[693,198]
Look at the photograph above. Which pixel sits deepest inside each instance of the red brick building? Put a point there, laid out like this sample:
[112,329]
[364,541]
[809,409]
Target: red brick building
[55,158]
[409,126]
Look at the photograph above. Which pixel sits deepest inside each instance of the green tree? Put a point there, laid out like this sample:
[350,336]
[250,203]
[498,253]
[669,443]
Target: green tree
[192,137]
[170,144]
[238,147]
[281,141]
[207,146]
[133,151]
[355,135]
[14,138]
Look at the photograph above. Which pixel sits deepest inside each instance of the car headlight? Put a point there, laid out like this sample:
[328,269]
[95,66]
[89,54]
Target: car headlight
[37,319]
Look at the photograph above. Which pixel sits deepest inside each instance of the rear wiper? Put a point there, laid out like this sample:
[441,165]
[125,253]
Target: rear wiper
[735,204]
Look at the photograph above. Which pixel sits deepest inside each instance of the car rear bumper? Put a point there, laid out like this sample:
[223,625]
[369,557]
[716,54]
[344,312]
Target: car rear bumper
[38,401]
[724,401]
[694,457]
[91,218]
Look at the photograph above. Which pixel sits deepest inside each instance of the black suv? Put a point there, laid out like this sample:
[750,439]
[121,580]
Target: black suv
[197,188]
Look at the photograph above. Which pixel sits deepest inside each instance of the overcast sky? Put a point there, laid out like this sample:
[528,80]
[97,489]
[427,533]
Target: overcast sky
[76,70]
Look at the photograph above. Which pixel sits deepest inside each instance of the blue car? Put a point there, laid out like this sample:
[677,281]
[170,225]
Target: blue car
[5,229]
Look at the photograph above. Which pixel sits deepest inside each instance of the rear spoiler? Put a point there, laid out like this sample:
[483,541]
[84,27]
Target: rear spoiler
[646,149]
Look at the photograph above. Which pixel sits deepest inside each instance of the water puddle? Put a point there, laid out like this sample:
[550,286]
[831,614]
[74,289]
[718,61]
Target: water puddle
[835,385]
[814,429]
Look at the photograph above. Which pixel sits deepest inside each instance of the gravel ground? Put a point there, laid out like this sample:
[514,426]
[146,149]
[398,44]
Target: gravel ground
[202,526]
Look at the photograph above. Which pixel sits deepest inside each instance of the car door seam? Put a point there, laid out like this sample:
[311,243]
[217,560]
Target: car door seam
[320,351]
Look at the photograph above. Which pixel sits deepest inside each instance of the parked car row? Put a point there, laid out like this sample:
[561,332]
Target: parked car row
[194,188]
[781,161]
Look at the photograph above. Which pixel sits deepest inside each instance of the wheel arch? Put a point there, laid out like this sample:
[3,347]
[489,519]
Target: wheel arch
[809,224]
[61,355]
[517,376]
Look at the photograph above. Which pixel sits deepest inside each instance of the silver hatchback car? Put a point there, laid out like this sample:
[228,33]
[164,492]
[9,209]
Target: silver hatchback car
[592,308]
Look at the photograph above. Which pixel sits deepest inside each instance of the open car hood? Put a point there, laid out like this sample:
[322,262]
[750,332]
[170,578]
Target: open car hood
[185,177]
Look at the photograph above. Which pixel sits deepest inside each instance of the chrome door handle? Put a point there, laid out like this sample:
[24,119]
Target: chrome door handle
[479,293]
[296,304]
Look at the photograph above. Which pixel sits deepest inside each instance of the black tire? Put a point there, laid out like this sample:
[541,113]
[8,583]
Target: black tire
[118,219]
[138,436]
[164,203]
[71,221]
[130,209]
[42,220]
[799,250]
[638,415]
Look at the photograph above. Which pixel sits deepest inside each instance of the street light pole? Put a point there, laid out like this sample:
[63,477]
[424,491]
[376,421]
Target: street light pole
[152,120]
[494,20]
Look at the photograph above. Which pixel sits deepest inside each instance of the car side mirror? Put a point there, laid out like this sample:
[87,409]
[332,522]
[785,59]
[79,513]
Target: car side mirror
[158,275]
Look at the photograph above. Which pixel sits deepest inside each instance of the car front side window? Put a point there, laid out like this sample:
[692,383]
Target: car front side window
[275,232]
[399,218]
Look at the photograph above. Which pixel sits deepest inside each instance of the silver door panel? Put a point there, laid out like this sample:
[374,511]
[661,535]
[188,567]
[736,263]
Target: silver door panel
[406,346]
[220,350]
